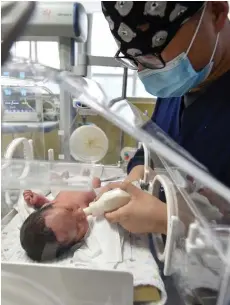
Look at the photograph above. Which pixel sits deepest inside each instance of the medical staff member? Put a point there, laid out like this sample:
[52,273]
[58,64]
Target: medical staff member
[181,51]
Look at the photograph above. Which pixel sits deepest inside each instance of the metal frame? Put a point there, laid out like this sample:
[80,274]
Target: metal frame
[66,107]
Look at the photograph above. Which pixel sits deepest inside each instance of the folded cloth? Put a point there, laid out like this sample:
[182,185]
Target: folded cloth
[102,244]
[110,247]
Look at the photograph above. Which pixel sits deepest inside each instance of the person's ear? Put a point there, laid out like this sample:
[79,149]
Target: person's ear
[220,10]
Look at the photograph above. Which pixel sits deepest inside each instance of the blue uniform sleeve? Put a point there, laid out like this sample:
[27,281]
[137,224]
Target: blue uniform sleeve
[138,158]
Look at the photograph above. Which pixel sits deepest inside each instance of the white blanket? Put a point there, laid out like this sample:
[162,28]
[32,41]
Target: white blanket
[106,246]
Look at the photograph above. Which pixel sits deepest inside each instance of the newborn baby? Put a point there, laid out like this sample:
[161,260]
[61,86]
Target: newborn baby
[56,225]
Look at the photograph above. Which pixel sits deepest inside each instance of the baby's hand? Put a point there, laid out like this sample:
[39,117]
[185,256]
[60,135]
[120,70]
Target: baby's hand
[34,199]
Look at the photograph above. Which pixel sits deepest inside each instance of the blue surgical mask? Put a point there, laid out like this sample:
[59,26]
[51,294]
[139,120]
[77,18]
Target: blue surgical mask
[178,76]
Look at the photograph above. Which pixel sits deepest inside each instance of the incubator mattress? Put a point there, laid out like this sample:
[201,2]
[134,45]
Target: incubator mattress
[133,256]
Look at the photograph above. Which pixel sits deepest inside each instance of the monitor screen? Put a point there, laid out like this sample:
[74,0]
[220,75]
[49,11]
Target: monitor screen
[5,73]
[18,100]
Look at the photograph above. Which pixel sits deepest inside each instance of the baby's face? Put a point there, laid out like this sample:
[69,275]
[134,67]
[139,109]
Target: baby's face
[68,222]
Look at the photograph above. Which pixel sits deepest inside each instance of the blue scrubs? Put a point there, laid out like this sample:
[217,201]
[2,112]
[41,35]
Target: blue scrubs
[202,128]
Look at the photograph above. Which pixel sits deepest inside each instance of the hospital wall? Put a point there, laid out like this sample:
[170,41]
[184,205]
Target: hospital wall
[43,142]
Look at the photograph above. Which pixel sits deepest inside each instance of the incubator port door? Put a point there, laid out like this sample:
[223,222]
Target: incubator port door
[26,284]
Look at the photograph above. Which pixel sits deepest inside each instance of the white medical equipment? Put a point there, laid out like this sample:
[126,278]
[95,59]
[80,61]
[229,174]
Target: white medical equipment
[9,155]
[66,23]
[108,202]
[175,228]
[25,101]
[51,20]
[21,103]
[28,154]
[30,286]
[83,110]
[127,153]
[88,143]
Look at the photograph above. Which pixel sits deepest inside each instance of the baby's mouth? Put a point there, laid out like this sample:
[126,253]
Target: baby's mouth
[79,214]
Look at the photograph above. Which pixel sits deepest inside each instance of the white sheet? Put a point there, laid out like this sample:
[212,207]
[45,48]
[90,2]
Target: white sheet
[106,246]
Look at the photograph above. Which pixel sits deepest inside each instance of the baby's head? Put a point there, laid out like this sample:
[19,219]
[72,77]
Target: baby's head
[52,230]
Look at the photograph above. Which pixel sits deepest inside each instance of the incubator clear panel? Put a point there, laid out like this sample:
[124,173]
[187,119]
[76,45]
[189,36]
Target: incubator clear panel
[195,253]
[197,256]
[30,111]
[56,115]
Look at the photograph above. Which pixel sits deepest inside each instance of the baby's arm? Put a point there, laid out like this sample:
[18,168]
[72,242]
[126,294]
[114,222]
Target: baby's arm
[35,200]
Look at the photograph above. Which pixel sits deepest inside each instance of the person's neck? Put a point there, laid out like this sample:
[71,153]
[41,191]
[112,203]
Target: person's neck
[222,67]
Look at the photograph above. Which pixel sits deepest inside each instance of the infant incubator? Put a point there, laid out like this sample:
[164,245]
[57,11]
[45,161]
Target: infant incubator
[191,265]
[196,251]
[107,249]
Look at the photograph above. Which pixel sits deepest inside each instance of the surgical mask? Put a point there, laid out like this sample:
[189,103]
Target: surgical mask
[178,76]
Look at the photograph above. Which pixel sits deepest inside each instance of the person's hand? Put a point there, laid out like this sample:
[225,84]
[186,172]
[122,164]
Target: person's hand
[108,187]
[143,214]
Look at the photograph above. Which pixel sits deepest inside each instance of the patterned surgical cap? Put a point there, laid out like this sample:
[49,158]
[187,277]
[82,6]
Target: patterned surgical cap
[147,27]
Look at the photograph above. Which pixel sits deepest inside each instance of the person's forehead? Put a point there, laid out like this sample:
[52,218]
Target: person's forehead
[146,27]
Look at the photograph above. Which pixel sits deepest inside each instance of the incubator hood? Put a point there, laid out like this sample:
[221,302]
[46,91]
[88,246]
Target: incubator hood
[197,249]
[127,118]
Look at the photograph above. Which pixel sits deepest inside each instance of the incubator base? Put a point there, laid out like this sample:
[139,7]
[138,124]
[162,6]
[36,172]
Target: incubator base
[19,271]
[44,284]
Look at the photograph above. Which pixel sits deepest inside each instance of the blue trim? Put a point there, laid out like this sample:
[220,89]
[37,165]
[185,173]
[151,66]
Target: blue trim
[75,19]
